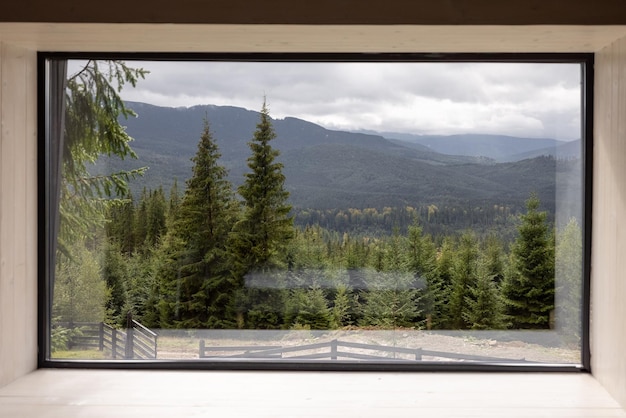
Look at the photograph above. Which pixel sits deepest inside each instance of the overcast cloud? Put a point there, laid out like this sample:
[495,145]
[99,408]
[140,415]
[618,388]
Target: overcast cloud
[530,100]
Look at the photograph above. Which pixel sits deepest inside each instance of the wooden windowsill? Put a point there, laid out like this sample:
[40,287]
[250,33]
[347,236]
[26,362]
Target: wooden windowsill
[133,393]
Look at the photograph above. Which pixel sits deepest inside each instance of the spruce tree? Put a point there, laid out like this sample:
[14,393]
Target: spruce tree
[464,277]
[266,226]
[260,237]
[484,307]
[155,217]
[392,296]
[569,275]
[440,285]
[199,287]
[529,287]
[93,113]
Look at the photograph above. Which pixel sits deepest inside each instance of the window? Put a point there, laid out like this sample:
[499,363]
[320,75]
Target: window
[316,211]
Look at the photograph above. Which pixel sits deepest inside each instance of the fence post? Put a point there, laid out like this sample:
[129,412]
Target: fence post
[114,343]
[101,335]
[201,349]
[333,349]
[418,354]
[129,351]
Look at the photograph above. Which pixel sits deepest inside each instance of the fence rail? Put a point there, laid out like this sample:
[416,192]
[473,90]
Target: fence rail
[134,342]
[334,352]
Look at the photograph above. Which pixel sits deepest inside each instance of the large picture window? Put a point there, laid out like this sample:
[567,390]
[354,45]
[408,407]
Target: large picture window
[315,211]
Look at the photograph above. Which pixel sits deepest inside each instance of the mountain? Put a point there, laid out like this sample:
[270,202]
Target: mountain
[500,148]
[328,169]
[567,150]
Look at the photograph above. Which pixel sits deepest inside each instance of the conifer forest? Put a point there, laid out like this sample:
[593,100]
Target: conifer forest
[205,254]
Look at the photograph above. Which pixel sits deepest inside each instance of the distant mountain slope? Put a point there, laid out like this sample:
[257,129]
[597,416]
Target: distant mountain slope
[355,177]
[498,147]
[334,169]
[567,150]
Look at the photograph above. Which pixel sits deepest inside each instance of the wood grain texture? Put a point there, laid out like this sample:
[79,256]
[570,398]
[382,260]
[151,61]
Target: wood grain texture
[303,38]
[608,337]
[72,393]
[18,202]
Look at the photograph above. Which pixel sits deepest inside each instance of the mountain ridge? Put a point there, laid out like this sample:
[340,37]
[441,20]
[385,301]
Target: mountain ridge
[328,168]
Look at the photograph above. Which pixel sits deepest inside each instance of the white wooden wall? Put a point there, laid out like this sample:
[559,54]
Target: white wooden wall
[608,327]
[18,209]
[18,43]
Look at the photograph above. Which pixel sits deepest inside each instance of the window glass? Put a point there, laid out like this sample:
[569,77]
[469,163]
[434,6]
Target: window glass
[292,212]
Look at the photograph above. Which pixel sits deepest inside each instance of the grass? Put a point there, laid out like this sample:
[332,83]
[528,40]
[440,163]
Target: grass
[79,354]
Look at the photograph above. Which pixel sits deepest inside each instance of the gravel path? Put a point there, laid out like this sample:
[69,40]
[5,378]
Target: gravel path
[542,347]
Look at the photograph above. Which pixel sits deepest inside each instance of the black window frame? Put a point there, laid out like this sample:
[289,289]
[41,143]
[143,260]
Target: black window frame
[45,269]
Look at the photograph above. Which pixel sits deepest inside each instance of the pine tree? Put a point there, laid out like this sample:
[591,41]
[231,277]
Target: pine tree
[569,253]
[307,307]
[492,259]
[115,275]
[266,226]
[94,109]
[260,237]
[421,262]
[440,285]
[121,227]
[392,296]
[464,277]
[529,287]
[484,307]
[155,217]
[174,203]
[198,284]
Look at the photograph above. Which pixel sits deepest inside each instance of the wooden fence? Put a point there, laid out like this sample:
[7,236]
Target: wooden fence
[334,350]
[134,342]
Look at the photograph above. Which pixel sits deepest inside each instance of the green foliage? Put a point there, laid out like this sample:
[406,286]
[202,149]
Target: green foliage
[208,261]
[92,129]
[484,307]
[464,278]
[568,275]
[80,291]
[391,300]
[307,307]
[439,287]
[261,235]
[60,336]
[529,288]
[196,282]
[114,271]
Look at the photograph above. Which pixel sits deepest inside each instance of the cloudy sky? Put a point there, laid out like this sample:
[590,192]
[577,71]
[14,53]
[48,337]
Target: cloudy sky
[530,100]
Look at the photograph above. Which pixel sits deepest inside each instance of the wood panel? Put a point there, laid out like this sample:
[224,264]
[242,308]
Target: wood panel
[609,222]
[390,12]
[302,38]
[18,262]
[107,393]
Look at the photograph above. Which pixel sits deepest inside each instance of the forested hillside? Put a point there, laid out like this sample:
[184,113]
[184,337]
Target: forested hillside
[332,170]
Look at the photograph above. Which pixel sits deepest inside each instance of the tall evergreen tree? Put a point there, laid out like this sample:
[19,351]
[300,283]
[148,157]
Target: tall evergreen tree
[199,287]
[484,306]
[392,297]
[260,237]
[464,277]
[155,216]
[440,285]
[94,109]
[266,226]
[568,275]
[121,227]
[529,287]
